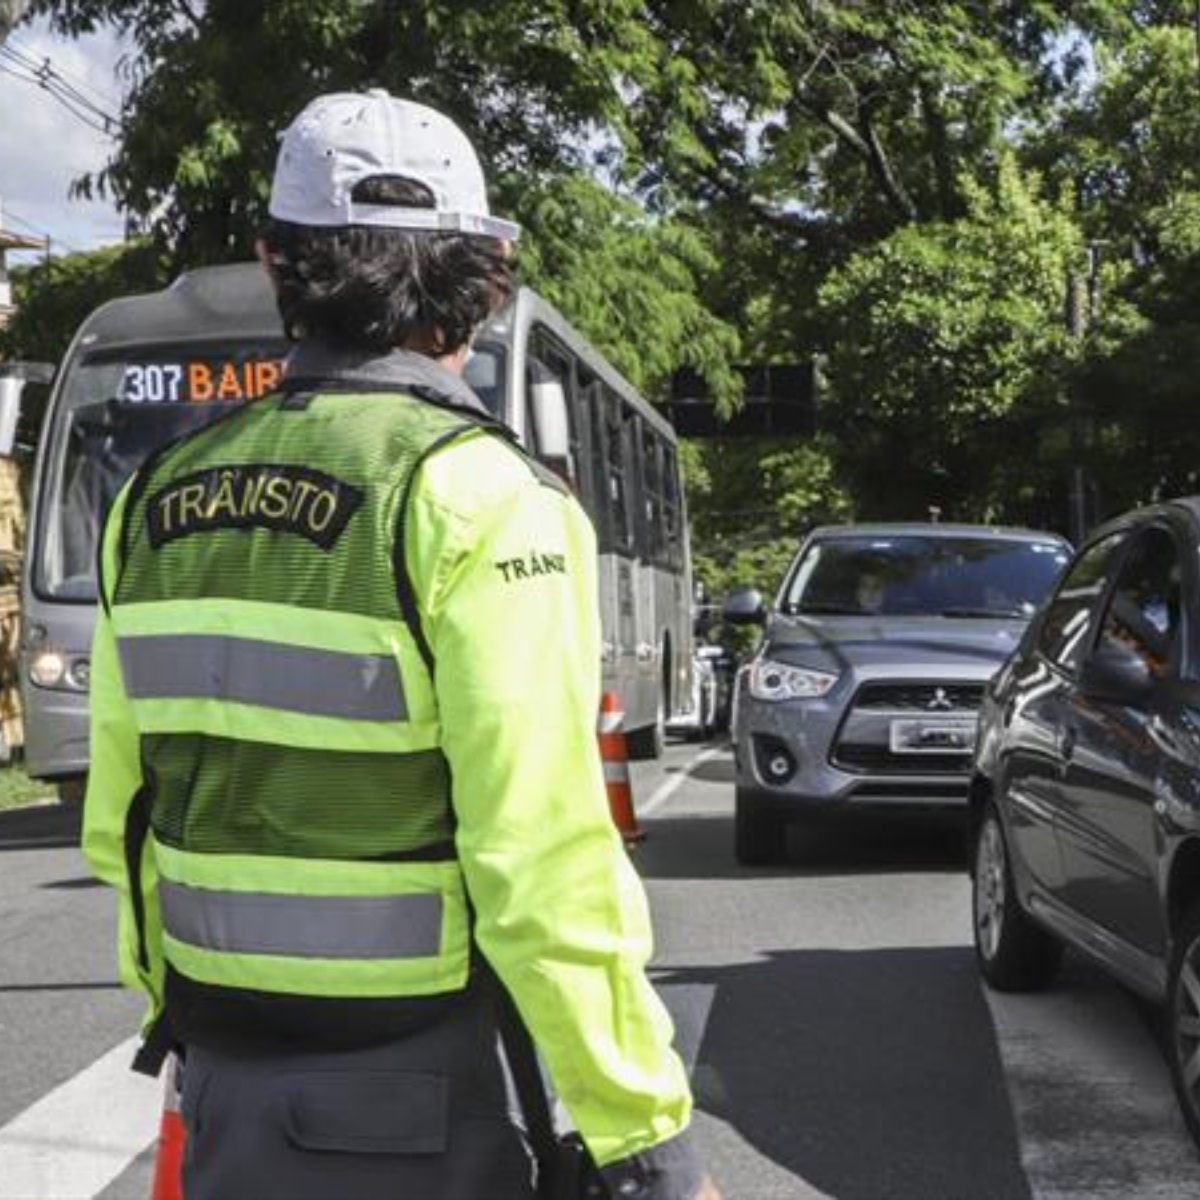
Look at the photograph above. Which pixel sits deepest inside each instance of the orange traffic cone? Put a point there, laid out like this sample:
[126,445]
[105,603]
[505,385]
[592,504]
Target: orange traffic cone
[616,768]
[168,1166]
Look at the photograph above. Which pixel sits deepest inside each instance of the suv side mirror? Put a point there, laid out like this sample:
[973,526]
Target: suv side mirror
[1117,673]
[745,607]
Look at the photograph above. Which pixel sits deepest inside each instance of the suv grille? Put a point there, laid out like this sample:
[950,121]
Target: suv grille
[863,741]
[920,697]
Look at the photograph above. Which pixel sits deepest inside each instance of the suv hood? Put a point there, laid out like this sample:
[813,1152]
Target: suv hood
[841,642]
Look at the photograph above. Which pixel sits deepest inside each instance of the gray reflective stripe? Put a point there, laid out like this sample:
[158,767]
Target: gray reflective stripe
[303,926]
[325,683]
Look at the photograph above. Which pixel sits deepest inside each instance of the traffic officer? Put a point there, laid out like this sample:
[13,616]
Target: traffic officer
[343,763]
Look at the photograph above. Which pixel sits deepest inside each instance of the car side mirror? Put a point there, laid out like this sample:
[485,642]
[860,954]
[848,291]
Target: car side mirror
[1116,673]
[745,607]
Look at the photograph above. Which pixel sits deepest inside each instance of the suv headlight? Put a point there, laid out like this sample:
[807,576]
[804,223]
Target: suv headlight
[771,680]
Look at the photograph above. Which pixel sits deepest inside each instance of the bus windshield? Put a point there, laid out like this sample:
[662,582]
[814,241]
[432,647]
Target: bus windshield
[114,410]
[117,408]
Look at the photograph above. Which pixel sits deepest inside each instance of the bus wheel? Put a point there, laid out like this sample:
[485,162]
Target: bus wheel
[72,790]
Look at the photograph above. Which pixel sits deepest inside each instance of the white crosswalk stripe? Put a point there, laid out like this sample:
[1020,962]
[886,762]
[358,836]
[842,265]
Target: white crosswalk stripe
[78,1138]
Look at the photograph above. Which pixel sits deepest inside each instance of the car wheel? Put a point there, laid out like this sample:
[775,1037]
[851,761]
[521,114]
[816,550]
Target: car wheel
[1183,1019]
[759,835]
[1014,953]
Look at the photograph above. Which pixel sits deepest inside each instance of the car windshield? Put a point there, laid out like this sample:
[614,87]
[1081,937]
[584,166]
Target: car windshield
[113,411]
[924,575]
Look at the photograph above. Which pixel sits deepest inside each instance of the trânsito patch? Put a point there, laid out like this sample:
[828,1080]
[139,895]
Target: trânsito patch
[279,496]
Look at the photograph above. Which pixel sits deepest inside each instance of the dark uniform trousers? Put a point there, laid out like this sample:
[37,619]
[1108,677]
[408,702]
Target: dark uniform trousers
[428,1117]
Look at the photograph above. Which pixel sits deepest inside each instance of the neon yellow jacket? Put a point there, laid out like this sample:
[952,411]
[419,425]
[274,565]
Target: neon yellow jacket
[504,571]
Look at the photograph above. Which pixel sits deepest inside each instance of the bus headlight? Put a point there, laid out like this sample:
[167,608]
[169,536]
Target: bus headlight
[48,668]
[53,669]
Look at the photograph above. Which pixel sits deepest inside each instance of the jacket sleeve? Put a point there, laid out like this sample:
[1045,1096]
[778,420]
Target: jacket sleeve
[113,779]
[510,608]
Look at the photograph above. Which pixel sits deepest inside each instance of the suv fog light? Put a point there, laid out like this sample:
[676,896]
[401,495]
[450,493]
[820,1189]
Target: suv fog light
[780,766]
[775,761]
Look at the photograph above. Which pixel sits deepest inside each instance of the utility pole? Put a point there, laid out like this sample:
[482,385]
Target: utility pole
[1083,310]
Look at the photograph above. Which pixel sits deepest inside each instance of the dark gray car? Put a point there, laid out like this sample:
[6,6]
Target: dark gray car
[1086,792]
[865,690]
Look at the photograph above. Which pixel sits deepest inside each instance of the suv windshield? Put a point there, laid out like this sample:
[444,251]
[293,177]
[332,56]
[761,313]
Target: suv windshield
[924,575]
[113,411]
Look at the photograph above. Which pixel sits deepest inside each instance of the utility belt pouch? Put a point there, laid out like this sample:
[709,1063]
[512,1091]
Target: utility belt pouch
[572,1175]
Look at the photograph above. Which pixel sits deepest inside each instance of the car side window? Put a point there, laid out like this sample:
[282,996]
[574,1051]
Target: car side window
[1066,629]
[1145,612]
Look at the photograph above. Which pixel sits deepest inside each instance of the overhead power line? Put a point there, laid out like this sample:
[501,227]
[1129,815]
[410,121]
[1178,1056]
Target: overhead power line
[20,66]
[71,77]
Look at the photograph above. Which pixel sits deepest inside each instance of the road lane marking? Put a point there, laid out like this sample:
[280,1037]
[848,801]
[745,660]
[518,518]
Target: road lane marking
[669,787]
[75,1140]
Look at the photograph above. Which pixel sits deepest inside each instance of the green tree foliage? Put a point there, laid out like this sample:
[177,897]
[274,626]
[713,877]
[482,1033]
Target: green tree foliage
[777,177]
[944,340]
[53,297]
[750,503]
[214,83]
[630,282]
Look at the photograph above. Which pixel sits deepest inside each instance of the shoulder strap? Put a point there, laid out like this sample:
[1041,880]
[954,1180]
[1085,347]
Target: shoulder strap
[405,592]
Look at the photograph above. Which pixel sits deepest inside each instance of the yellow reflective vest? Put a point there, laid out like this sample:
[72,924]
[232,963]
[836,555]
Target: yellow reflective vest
[301,683]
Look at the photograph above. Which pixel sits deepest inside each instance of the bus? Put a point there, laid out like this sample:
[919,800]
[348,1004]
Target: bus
[145,369]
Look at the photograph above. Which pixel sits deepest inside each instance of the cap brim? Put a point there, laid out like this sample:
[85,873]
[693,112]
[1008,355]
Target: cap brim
[430,220]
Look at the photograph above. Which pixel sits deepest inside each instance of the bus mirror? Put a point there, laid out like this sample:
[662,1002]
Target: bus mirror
[551,425]
[14,376]
[11,387]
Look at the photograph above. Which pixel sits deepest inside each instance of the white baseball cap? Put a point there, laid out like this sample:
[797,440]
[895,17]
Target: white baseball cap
[343,138]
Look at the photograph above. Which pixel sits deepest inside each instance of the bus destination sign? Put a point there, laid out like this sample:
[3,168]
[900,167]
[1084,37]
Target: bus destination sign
[200,381]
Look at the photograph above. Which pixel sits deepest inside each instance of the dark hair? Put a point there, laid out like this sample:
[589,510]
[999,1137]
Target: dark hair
[380,288]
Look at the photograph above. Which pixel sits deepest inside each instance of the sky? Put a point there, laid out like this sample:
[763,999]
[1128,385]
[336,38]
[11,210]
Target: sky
[43,146]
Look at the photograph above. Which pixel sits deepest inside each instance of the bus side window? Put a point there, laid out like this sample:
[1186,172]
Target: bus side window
[672,509]
[652,479]
[617,463]
[549,362]
[589,427]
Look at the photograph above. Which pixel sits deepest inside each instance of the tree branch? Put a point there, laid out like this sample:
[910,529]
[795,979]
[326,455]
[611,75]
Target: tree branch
[890,181]
[189,12]
[768,212]
[869,148]
[949,201]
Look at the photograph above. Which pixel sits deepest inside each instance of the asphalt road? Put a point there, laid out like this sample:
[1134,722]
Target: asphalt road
[839,1041]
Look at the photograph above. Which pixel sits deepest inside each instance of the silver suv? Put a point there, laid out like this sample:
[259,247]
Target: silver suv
[865,689]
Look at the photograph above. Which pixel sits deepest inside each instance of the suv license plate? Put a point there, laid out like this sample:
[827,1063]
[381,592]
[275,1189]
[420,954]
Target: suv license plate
[933,737]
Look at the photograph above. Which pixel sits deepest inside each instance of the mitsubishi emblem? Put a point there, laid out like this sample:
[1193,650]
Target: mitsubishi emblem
[940,702]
